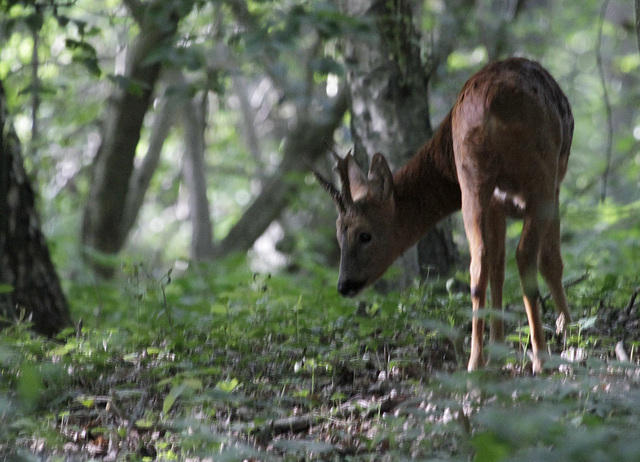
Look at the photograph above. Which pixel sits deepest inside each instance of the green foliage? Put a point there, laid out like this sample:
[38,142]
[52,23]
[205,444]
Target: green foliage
[244,357]
[85,54]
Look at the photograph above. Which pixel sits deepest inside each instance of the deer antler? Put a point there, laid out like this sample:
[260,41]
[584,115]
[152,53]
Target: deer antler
[342,167]
[343,199]
[326,184]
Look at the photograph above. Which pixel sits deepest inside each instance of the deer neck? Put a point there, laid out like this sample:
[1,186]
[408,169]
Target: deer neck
[426,188]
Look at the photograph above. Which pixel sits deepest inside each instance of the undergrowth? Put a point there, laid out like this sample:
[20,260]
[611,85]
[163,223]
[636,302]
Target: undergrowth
[221,364]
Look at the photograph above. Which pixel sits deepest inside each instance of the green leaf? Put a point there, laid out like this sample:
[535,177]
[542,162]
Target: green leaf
[86,401]
[192,383]
[585,323]
[62,20]
[63,349]
[30,385]
[171,398]
[6,288]
[227,385]
[34,21]
[83,53]
[489,448]
[144,424]
[610,282]
[164,382]
[219,308]
[136,88]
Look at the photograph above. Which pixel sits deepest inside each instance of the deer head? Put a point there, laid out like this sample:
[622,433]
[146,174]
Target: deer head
[365,222]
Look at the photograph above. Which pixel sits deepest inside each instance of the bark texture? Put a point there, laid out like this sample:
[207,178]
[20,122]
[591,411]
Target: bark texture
[103,227]
[30,285]
[388,83]
[195,179]
[638,22]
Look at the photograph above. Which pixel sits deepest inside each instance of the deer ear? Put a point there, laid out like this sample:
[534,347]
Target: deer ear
[380,178]
[357,181]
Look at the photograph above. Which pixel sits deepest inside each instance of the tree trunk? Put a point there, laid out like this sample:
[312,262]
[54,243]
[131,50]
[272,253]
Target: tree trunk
[195,179]
[177,106]
[638,22]
[247,122]
[142,175]
[302,147]
[390,109]
[103,227]
[29,285]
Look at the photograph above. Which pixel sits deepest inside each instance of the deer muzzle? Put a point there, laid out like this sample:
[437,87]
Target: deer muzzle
[350,287]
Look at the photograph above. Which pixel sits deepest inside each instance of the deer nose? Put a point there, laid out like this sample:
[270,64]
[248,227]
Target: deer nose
[349,287]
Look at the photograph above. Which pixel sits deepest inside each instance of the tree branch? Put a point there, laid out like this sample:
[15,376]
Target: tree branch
[102,226]
[247,121]
[141,177]
[194,174]
[302,147]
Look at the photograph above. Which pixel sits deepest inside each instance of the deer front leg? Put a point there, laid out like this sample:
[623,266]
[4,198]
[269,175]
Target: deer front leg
[497,229]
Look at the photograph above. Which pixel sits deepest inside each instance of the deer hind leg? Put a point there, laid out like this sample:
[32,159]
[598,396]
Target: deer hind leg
[475,225]
[497,234]
[535,226]
[551,269]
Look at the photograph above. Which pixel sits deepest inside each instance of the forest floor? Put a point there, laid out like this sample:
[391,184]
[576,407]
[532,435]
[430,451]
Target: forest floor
[268,369]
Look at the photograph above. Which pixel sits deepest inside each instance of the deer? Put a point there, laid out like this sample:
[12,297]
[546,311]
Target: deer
[502,151]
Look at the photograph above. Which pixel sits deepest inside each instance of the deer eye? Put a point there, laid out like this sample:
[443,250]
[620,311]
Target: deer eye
[365,237]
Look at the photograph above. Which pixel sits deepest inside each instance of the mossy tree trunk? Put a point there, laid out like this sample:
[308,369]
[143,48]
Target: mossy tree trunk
[29,286]
[388,82]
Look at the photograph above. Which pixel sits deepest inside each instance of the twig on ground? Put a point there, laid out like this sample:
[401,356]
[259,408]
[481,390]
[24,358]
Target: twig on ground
[576,281]
[295,424]
[301,423]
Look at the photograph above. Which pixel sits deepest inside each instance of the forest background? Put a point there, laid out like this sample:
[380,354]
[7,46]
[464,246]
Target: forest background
[169,144]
